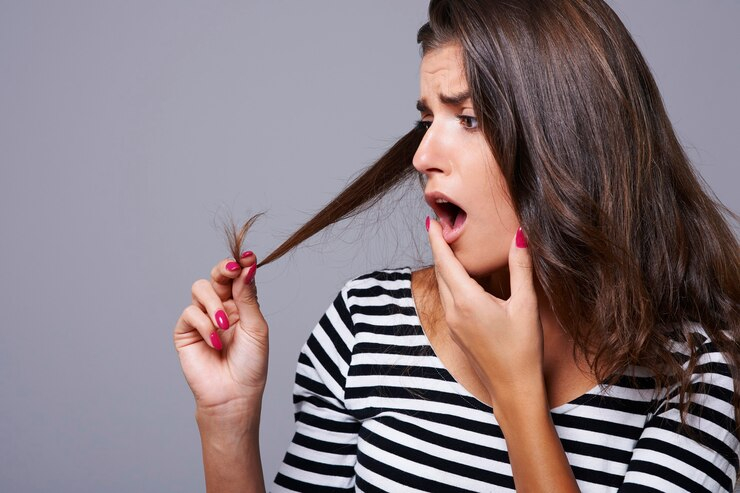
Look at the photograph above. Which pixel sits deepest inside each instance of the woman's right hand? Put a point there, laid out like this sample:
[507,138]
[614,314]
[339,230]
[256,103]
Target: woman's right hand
[221,340]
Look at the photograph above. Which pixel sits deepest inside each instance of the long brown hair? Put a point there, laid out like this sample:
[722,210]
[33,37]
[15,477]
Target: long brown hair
[629,246]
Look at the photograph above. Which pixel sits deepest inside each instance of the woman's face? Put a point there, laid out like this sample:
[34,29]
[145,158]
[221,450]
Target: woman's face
[459,167]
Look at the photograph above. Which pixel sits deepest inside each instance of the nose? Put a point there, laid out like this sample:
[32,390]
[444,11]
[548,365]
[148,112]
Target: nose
[430,155]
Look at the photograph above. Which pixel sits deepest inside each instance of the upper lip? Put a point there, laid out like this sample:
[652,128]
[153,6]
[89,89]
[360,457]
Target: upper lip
[432,197]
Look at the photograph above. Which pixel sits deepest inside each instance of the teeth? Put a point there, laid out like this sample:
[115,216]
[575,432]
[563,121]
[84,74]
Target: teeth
[441,201]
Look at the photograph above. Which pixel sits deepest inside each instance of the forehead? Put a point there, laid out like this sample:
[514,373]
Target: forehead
[442,70]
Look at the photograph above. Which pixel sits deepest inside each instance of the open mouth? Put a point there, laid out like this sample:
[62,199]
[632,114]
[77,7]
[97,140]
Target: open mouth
[452,218]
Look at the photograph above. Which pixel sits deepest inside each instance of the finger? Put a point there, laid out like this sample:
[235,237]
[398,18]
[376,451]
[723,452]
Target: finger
[193,327]
[207,298]
[453,275]
[247,258]
[521,274]
[222,275]
[244,293]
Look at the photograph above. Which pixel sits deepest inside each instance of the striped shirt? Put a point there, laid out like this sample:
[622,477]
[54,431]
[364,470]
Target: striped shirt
[377,411]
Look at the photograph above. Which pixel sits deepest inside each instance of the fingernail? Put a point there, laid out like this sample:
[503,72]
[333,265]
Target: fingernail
[232,266]
[222,320]
[247,254]
[428,223]
[521,240]
[250,274]
[216,341]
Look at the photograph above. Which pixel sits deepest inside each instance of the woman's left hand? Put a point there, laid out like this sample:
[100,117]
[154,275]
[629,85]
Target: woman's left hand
[502,338]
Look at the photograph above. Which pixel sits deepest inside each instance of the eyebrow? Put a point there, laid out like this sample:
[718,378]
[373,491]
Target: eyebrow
[449,100]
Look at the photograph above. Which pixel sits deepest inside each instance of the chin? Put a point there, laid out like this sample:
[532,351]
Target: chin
[481,268]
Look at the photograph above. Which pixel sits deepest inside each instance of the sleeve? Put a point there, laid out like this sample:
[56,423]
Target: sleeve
[701,457]
[322,454]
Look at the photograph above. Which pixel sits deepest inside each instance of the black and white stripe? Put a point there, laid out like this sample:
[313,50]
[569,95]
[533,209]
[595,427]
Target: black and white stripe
[377,411]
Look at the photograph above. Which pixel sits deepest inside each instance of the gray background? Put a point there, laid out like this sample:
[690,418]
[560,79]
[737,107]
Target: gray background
[128,130]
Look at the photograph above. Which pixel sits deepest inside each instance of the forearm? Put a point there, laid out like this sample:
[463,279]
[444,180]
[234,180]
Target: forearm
[231,453]
[538,461]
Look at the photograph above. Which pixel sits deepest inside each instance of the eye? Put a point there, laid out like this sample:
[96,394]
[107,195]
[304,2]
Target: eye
[423,125]
[468,122]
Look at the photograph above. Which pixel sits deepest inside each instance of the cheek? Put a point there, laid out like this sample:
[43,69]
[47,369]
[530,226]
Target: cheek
[493,226]
[504,218]
[486,250]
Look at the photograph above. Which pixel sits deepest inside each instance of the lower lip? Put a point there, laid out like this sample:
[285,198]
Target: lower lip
[451,234]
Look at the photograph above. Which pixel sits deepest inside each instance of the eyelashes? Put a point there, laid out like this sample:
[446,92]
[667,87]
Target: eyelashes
[469,123]
[472,122]
[422,125]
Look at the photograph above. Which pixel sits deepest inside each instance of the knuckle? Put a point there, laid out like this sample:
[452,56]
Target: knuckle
[199,286]
[250,296]
[452,320]
[463,305]
[191,314]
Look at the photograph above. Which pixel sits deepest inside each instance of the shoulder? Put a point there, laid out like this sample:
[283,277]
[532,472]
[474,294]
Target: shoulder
[361,299]
[711,387]
[710,361]
[394,283]
[699,452]
[383,277]
[380,301]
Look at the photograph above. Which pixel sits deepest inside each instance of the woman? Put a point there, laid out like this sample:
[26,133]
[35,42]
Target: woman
[577,331]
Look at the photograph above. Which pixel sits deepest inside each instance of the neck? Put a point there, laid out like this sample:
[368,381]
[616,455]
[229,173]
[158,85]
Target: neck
[565,377]
[558,343]
[497,283]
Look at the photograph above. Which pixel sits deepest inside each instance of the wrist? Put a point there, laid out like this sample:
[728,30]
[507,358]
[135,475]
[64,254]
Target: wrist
[234,417]
[521,403]
[231,448]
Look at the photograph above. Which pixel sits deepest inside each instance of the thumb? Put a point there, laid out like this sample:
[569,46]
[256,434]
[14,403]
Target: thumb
[520,268]
[244,293]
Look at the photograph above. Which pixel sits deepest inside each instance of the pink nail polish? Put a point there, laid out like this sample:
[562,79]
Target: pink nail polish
[521,240]
[216,341]
[250,274]
[247,254]
[427,223]
[222,320]
[232,266]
